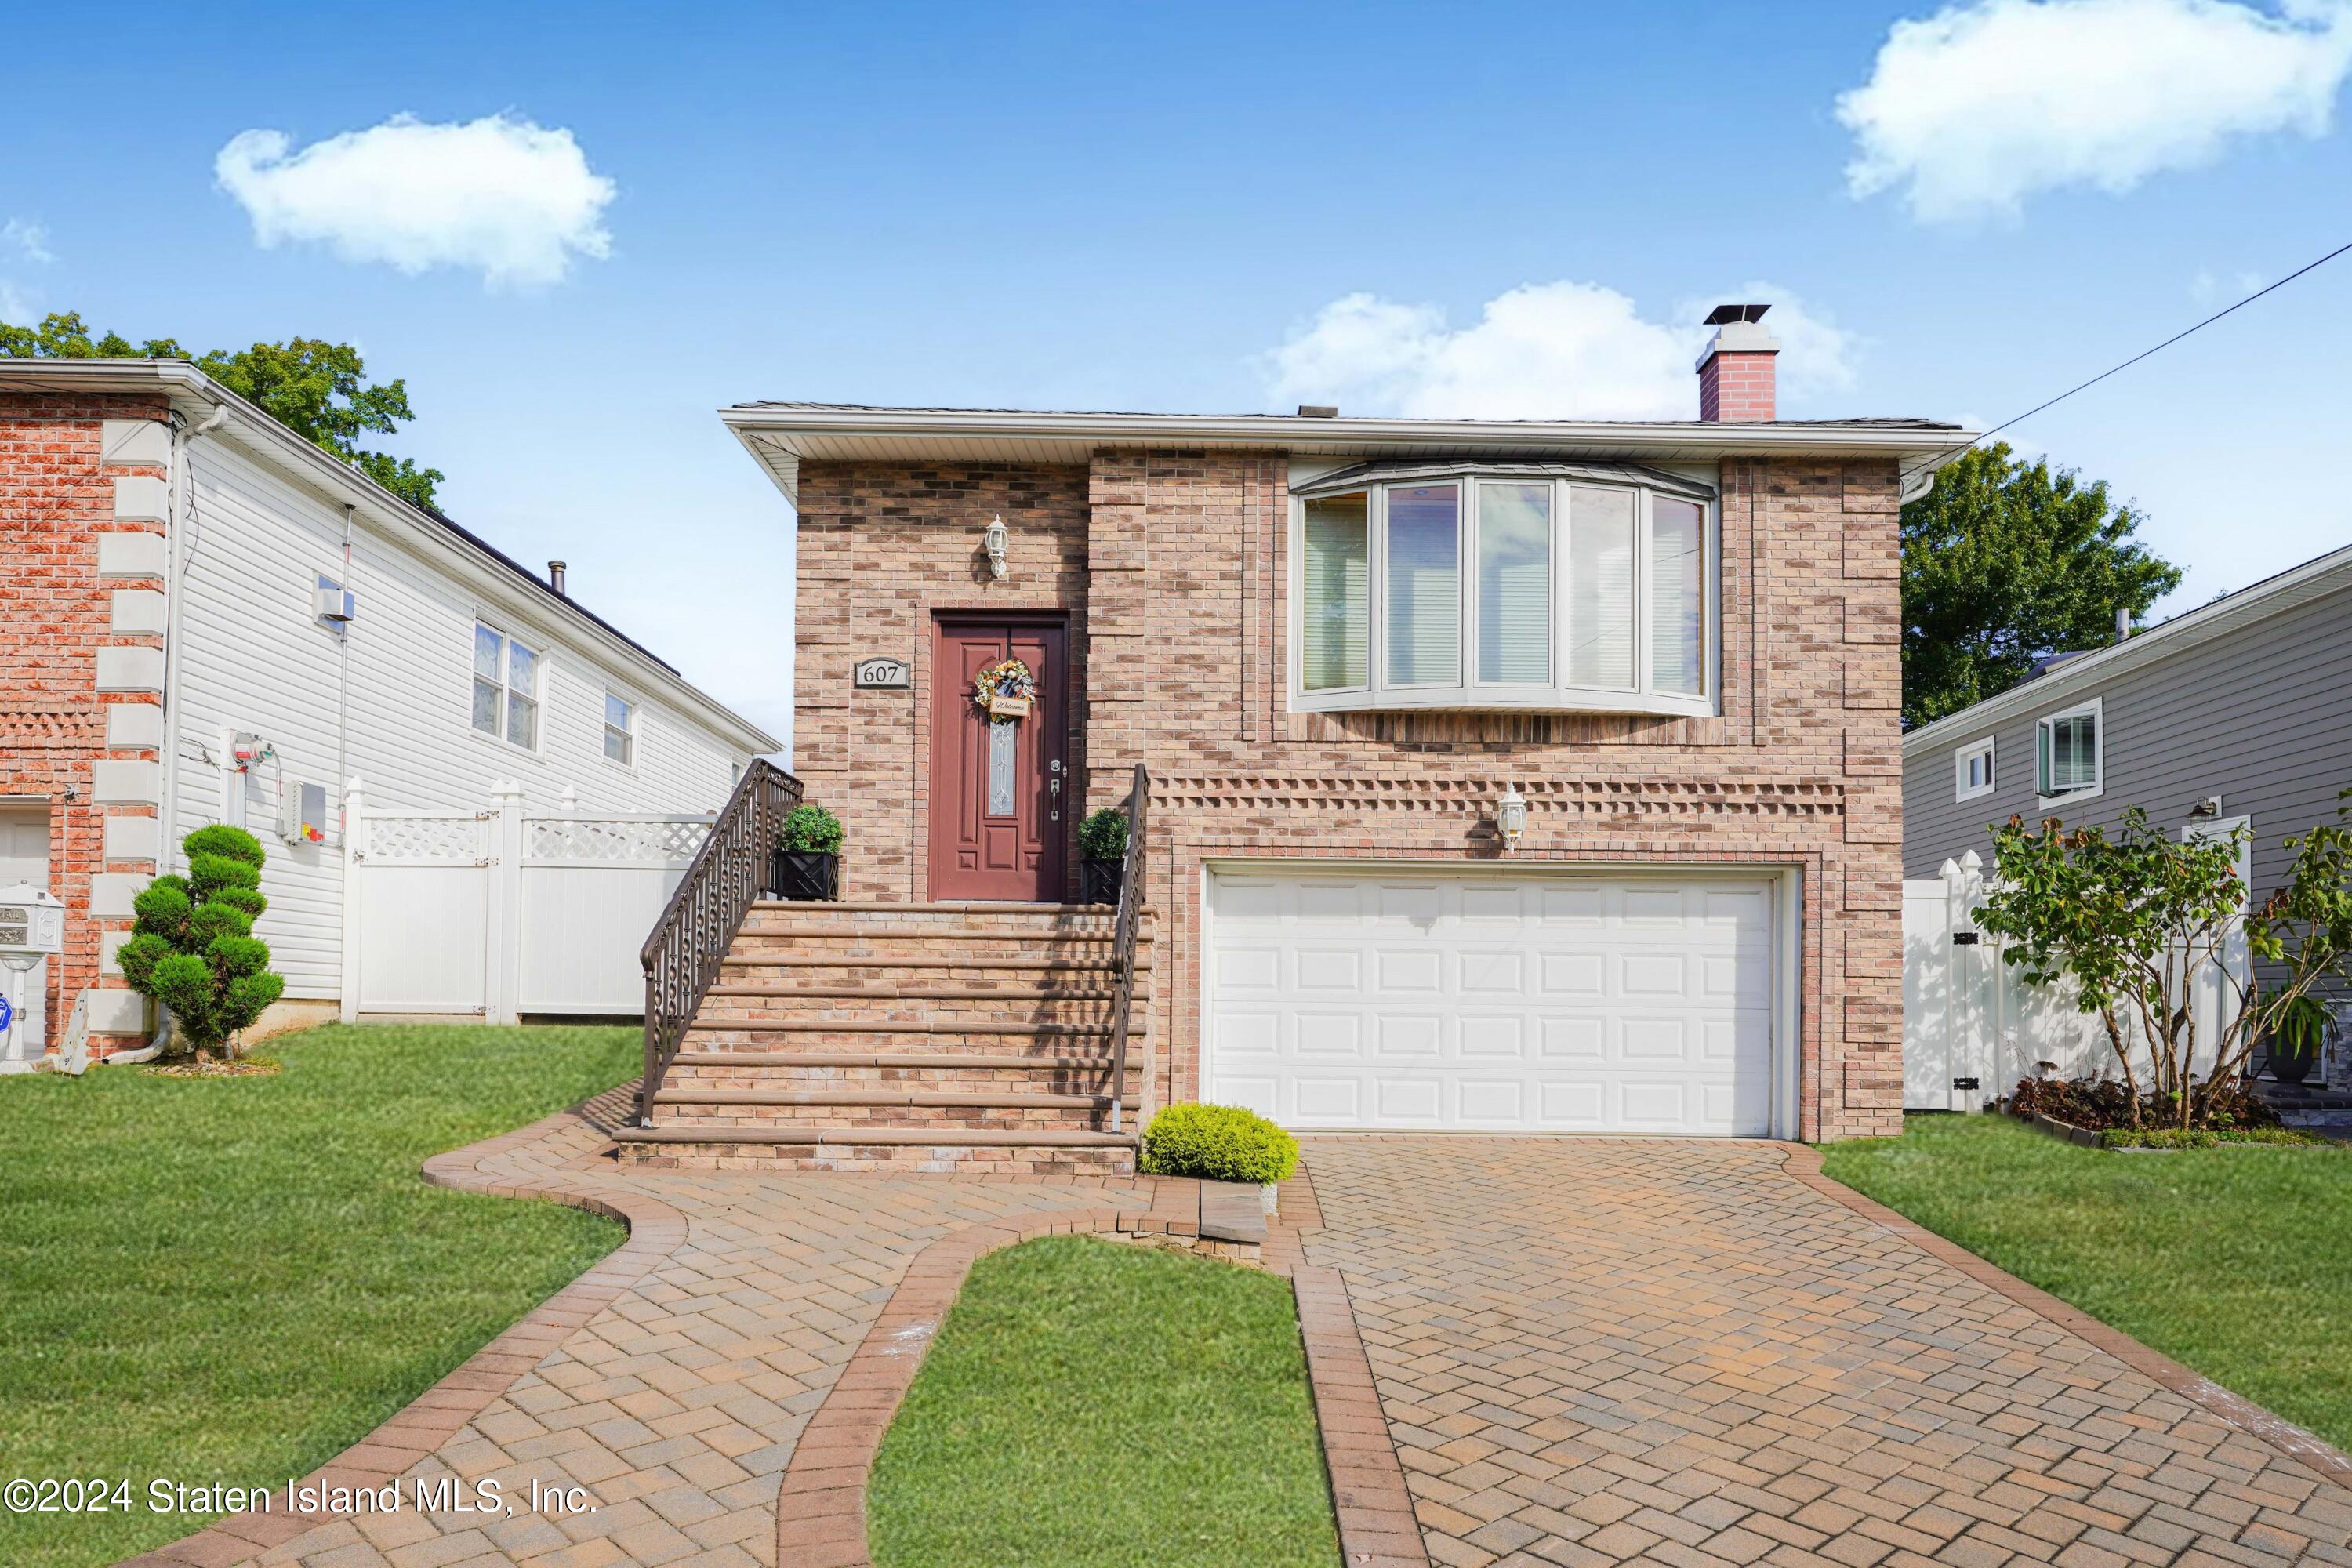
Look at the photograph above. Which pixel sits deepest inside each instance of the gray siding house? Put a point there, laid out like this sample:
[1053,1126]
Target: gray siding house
[2241,710]
[2238,711]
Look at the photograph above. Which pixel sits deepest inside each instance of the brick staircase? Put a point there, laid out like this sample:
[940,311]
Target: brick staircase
[967,1036]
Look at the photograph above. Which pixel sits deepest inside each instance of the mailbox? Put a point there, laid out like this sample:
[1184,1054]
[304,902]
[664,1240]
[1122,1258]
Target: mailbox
[32,926]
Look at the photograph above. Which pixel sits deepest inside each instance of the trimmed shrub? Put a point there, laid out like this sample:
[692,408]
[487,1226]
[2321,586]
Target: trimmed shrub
[1102,836]
[810,830]
[1217,1143]
[193,946]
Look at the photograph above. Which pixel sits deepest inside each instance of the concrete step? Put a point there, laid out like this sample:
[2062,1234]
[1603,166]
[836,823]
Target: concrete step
[901,1097]
[915,1137]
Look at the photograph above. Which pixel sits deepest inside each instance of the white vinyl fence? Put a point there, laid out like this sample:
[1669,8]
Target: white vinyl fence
[1972,1028]
[493,913]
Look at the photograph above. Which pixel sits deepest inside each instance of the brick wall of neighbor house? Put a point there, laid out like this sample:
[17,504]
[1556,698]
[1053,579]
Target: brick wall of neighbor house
[1173,567]
[82,505]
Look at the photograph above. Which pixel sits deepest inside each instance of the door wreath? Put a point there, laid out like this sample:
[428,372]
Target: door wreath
[1005,690]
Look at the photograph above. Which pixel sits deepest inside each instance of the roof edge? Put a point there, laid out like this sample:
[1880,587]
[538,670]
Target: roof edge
[194,393]
[2250,605]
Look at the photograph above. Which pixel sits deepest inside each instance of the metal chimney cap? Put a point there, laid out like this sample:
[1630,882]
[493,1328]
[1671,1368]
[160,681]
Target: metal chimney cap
[1724,315]
[1319,410]
[555,578]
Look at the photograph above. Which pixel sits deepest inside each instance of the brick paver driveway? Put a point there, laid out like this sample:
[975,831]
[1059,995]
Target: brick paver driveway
[1604,1351]
[675,1407]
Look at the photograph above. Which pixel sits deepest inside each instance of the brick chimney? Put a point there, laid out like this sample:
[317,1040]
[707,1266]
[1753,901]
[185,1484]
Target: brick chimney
[1735,373]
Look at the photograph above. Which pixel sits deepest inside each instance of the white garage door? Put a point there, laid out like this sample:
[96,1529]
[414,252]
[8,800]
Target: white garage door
[1531,1003]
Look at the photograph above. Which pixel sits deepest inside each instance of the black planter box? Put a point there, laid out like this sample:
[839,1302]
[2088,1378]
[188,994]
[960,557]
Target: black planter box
[804,876]
[1099,880]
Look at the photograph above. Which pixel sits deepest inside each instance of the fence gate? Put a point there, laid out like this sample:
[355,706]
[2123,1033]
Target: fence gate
[1972,1028]
[495,913]
[419,886]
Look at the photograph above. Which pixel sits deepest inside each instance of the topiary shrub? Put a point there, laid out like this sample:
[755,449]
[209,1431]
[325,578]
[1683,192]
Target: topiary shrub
[1103,834]
[192,947]
[1218,1143]
[810,830]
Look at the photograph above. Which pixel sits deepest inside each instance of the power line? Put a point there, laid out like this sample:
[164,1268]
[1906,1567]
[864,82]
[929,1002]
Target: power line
[2020,418]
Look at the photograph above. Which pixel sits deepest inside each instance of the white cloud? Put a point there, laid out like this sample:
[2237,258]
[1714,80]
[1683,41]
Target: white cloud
[27,239]
[513,199]
[16,307]
[1983,104]
[1542,351]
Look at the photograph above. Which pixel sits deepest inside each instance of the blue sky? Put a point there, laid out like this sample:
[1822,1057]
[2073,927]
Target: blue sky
[1140,206]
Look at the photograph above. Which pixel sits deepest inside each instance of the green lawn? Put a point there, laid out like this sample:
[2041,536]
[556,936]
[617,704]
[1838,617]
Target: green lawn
[232,1279]
[2234,1261]
[1092,1403]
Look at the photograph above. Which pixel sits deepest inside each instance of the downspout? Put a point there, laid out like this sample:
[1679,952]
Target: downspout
[179,549]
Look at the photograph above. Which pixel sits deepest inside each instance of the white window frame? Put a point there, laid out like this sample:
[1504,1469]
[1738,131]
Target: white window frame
[537,695]
[1962,789]
[605,730]
[1467,691]
[2098,785]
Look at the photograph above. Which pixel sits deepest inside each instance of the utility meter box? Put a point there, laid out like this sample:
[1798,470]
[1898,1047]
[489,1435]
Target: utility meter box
[32,924]
[302,813]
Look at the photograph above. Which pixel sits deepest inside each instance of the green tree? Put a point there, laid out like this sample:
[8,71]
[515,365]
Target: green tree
[193,946]
[317,389]
[2005,562]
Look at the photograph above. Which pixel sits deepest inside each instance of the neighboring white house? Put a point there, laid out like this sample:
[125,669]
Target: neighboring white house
[229,662]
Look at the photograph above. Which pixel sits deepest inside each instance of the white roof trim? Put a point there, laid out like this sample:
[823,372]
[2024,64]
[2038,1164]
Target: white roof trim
[779,437]
[195,396]
[2223,617]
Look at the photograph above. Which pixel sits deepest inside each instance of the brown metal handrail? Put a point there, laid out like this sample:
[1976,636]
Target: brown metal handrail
[691,940]
[1130,913]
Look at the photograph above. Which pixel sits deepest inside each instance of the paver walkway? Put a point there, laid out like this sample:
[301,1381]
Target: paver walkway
[676,1406]
[1601,1351]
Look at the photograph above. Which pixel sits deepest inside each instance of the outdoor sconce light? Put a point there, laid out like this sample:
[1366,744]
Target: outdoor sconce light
[1511,815]
[998,539]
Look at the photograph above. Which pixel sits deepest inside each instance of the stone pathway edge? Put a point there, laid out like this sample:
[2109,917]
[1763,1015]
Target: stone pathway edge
[821,1508]
[656,1230]
[2306,1448]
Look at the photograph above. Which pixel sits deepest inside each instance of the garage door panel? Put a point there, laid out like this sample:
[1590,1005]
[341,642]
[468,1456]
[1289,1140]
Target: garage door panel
[1408,971]
[1571,974]
[1339,969]
[1494,1036]
[1410,1035]
[1544,1002]
[1489,973]
[1329,1035]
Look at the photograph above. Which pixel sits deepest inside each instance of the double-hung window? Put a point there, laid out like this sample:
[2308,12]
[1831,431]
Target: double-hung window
[505,688]
[2066,753]
[1497,586]
[1972,769]
[620,730]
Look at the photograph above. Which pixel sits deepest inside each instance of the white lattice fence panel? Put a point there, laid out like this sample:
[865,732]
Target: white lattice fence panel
[614,840]
[444,836]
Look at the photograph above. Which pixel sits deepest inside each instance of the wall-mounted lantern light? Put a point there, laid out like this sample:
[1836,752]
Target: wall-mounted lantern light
[1511,815]
[998,539]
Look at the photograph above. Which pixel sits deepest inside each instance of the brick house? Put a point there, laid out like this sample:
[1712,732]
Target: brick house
[1349,652]
[164,545]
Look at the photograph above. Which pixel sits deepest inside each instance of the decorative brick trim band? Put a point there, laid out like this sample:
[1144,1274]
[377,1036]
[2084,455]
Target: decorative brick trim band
[2232,1410]
[656,1230]
[821,1507]
[1612,798]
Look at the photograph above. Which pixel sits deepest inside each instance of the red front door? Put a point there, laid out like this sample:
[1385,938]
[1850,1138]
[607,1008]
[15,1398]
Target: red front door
[999,787]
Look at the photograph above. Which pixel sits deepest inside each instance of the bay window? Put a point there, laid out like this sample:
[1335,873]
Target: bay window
[1495,586]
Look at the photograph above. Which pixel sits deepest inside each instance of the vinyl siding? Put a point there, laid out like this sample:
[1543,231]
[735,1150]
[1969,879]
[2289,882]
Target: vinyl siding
[2262,717]
[253,658]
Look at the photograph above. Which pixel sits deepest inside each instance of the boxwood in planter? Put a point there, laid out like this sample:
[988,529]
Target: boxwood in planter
[1102,855]
[806,865]
[1218,1143]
